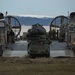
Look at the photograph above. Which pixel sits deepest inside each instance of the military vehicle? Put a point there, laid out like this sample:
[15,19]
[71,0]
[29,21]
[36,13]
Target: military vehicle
[2,33]
[38,41]
[58,24]
[10,28]
[70,31]
[66,31]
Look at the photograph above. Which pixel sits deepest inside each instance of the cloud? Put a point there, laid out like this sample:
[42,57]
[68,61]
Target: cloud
[36,16]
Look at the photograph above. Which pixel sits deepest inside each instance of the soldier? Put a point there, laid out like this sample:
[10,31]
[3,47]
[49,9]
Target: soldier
[53,34]
[12,35]
[57,33]
[8,34]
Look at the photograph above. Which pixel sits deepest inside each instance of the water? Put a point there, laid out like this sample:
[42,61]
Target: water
[25,29]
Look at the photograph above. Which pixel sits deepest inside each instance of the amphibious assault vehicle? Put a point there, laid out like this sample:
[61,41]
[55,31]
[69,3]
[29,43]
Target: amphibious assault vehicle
[10,28]
[70,31]
[66,31]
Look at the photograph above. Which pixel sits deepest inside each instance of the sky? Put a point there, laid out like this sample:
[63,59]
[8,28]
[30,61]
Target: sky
[37,7]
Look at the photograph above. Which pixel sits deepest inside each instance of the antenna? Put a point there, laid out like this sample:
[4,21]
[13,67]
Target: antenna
[6,13]
[68,14]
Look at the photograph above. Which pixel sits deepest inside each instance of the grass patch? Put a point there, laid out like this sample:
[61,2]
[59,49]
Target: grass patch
[38,66]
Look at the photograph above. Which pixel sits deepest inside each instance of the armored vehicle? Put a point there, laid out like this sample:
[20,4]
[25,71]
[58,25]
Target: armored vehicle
[38,42]
[70,31]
